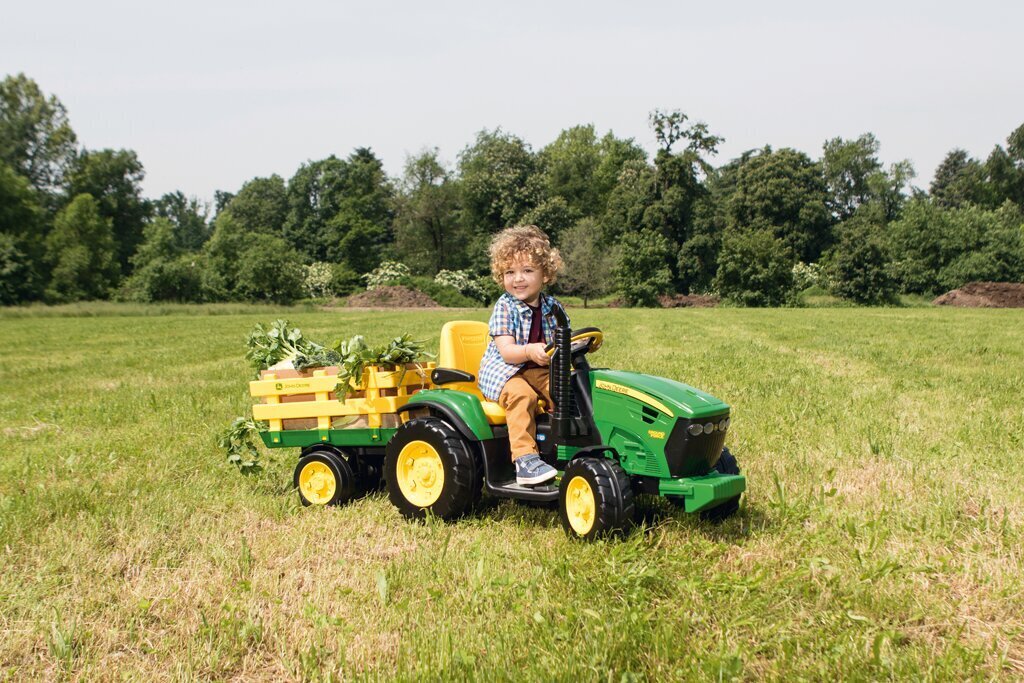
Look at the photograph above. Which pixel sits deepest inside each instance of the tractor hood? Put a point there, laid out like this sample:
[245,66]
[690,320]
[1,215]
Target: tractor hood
[680,400]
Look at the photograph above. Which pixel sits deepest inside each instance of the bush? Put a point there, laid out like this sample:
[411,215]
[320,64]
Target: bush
[317,280]
[464,282]
[754,268]
[270,270]
[858,267]
[344,280]
[18,276]
[387,273]
[181,279]
[806,275]
[642,272]
[444,295]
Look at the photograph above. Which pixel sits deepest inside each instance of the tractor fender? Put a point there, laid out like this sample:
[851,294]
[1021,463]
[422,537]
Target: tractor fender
[460,409]
[595,451]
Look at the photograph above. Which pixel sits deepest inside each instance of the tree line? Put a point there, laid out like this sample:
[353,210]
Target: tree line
[756,230]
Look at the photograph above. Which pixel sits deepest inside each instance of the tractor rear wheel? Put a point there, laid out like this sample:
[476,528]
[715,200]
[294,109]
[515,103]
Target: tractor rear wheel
[428,466]
[595,499]
[323,477]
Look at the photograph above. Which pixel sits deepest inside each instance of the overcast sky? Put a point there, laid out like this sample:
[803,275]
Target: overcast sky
[210,94]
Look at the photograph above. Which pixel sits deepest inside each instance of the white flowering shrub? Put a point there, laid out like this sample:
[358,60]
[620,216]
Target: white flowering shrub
[807,275]
[463,281]
[387,272]
[316,280]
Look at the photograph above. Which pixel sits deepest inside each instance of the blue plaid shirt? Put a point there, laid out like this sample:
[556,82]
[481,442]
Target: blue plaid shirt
[512,317]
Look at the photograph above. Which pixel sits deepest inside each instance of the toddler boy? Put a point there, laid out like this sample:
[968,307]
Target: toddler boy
[514,371]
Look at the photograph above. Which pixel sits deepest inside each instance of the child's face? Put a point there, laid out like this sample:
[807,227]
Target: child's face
[524,280]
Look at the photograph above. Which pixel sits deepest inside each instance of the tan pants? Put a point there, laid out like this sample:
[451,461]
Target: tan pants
[519,399]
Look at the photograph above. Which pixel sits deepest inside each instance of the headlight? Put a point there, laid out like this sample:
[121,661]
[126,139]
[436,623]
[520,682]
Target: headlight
[695,429]
[723,425]
[709,427]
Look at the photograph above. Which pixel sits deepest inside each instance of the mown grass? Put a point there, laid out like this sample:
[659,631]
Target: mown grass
[880,537]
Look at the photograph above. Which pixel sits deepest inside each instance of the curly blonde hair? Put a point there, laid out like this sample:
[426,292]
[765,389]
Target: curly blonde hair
[524,243]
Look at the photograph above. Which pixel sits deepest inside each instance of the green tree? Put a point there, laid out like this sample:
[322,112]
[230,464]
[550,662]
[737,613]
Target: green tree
[163,270]
[581,169]
[270,270]
[499,180]
[188,216]
[642,273]
[783,191]
[427,231]
[854,177]
[114,179]
[858,265]
[21,239]
[941,249]
[588,261]
[224,253]
[36,139]
[261,206]
[315,195]
[959,180]
[81,252]
[358,233]
[670,127]
[755,268]
[981,244]
[634,191]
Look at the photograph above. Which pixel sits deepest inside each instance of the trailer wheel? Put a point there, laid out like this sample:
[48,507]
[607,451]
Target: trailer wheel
[323,478]
[595,499]
[428,466]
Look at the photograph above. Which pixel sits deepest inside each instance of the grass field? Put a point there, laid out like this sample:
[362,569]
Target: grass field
[881,536]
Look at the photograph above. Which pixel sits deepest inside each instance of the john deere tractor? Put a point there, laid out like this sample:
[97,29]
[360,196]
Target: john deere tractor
[611,434]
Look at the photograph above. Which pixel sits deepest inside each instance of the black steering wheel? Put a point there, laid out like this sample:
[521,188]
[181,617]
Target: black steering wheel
[584,340]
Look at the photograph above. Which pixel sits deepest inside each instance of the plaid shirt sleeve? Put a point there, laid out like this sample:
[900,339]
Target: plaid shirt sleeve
[501,320]
[494,371]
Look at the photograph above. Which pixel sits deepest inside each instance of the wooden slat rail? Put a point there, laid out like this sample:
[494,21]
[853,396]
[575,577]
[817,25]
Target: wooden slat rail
[371,403]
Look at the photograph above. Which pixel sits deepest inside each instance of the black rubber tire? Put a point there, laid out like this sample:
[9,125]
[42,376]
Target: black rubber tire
[458,463]
[726,465]
[615,511]
[344,479]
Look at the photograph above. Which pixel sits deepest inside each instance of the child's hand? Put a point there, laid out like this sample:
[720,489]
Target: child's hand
[537,354]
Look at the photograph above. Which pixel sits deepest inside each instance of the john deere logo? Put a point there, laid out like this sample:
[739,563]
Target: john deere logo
[278,386]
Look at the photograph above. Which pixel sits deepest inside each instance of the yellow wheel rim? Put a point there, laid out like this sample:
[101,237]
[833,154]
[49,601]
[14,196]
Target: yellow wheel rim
[420,473]
[317,483]
[580,506]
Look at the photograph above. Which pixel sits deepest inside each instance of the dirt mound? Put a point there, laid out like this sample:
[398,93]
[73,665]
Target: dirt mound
[392,296]
[985,295]
[688,301]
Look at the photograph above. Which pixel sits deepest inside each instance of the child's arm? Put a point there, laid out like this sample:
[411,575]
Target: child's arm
[515,354]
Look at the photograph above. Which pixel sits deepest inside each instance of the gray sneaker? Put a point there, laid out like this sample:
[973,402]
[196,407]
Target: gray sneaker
[531,470]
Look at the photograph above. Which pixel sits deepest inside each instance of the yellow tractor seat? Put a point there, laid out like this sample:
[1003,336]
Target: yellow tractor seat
[463,343]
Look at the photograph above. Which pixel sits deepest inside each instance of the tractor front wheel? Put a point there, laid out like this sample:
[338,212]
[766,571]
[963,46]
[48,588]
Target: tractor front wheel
[428,466]
[595,499]
[323,477]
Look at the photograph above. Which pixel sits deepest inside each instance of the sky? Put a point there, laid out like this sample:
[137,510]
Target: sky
[210,94]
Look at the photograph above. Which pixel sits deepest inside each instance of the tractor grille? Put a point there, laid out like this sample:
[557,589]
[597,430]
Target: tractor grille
[692,455]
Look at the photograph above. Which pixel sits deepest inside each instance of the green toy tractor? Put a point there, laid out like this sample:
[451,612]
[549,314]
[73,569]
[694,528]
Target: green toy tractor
[612,434]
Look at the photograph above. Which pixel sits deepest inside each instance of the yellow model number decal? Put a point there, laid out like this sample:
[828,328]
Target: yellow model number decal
[633,393]
[656,435]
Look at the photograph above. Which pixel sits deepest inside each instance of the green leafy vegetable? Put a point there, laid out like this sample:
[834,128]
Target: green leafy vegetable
[267,347]
[356,356]
[240,441]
